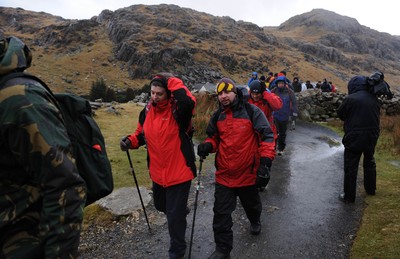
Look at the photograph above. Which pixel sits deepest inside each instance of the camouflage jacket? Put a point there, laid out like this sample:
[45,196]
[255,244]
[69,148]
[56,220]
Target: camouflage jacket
[39,182]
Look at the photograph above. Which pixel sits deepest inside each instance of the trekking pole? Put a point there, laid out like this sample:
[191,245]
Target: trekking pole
[195,205]
[137,186]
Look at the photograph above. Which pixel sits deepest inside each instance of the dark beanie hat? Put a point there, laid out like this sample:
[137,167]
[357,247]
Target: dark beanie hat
[226,84]
[256,87]
[262,78]
[161,82]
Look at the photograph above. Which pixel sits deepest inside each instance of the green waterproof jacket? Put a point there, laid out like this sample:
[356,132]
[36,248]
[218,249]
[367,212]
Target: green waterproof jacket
[42,195]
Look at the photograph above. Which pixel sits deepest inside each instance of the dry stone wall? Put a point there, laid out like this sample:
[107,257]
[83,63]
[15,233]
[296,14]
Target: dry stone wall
[315,105]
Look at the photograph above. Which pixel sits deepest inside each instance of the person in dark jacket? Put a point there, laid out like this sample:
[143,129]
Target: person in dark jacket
[162,126]
[42,195]
[288,111]
[296,85]
[240,134]
[309,85]
[326,86]
[360,112]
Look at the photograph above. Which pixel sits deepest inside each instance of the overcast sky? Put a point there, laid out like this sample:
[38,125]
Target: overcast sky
[380,15]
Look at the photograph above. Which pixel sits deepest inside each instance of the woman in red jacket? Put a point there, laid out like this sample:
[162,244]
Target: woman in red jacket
[266,101]
[240,135]
[162,126]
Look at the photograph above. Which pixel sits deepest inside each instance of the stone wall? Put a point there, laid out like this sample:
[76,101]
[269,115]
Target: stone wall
[317,106]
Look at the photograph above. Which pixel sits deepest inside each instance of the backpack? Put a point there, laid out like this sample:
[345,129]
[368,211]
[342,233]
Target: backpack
[88,145]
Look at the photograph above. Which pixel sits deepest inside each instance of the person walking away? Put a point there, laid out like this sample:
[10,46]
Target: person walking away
[360,111]
[281,116]
[42,194]
[267,102]
[162,127]
[241,134]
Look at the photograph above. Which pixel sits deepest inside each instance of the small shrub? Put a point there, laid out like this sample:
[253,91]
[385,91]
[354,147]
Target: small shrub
[98,90]
[205,107]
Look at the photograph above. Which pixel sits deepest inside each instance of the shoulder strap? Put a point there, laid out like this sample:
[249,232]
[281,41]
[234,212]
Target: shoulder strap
[249,110]
[5,79]
[21,78]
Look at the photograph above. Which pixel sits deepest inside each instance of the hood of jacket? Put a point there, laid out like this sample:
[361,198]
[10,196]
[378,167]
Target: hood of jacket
[357,83]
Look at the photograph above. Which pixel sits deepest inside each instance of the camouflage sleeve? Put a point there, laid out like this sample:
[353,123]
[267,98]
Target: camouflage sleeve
[38,142]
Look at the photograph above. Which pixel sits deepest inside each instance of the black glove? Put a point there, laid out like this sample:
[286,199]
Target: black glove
[204,149]
[263,175]
[125,144]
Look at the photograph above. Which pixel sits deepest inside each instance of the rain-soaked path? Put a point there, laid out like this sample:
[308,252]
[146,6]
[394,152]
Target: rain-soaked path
[302,216]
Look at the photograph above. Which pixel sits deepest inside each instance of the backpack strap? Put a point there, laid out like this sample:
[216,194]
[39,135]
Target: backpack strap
[21,77]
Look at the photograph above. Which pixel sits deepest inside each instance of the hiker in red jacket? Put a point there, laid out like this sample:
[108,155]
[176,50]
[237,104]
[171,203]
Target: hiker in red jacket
[267,102]
[162,126]
[240,134]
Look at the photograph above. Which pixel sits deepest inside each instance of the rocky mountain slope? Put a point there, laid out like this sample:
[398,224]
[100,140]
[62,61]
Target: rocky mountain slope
[126,47]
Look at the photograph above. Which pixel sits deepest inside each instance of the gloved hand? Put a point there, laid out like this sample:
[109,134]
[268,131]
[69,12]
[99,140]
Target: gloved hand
[125,144]
[204,149]
[263,175]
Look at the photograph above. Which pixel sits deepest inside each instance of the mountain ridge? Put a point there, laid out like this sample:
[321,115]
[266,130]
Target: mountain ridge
[127,46]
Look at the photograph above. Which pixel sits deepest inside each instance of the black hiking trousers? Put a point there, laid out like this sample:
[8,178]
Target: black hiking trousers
[281,129]
[172,201]
[225,204]
[351,162]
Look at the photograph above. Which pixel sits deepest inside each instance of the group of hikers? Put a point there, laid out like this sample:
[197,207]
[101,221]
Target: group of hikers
[296,84]
[43,196]
[244,133]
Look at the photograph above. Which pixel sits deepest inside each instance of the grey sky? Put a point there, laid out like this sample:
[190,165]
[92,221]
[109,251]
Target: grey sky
[380,15]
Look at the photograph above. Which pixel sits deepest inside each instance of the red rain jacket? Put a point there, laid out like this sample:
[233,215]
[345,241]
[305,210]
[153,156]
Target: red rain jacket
[239,141]
[170,156]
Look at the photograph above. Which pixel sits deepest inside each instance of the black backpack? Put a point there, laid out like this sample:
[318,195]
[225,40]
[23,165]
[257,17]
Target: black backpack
[88,145]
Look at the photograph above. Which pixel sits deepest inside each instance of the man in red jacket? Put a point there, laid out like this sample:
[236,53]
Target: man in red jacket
[244,141]
[162,126]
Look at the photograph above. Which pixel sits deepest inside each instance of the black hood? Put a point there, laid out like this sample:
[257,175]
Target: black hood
[357,83]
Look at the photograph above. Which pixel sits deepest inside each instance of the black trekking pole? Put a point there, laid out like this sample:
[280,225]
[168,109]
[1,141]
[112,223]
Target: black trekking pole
[137,186]
[195,205]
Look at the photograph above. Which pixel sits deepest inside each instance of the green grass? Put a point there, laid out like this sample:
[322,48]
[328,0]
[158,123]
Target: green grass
[114,127]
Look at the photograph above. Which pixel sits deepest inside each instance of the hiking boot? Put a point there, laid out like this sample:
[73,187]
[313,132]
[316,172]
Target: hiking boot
[219,255]
[255,228]
[280,152]
[342,197]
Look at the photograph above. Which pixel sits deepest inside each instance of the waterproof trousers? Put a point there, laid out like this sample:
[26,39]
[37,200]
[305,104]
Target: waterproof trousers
[281,128]
[351,162]
[225,204]
[173,202]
